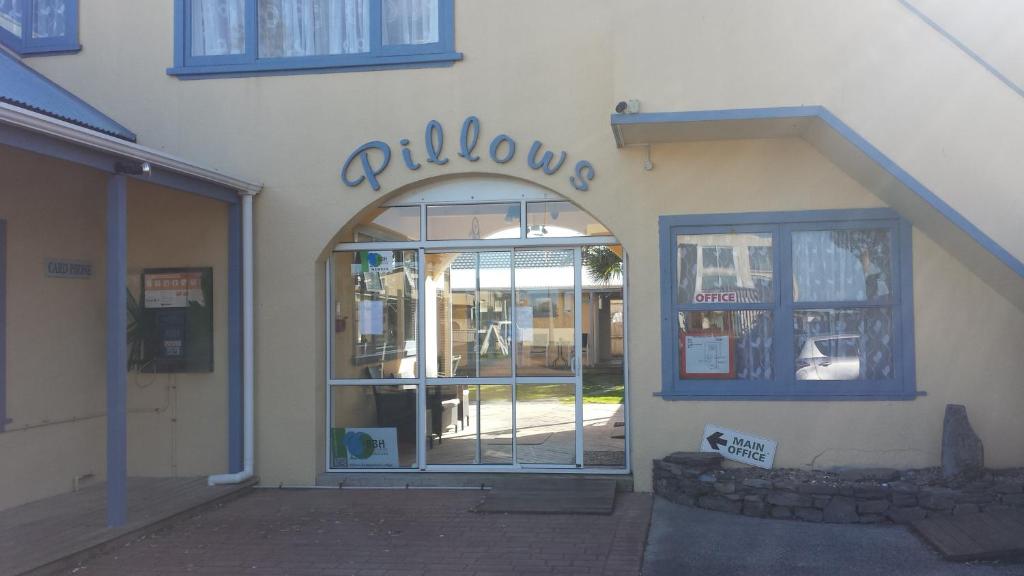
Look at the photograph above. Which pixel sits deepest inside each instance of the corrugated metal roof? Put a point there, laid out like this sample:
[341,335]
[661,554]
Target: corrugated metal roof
[26,88]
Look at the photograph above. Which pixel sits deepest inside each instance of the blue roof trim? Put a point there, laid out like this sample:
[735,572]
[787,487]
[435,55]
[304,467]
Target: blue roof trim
[876,155]
[24,87]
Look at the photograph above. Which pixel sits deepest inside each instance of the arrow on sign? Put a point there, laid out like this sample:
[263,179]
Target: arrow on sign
[715,440]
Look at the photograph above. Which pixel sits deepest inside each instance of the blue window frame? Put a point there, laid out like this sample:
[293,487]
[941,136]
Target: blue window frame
[787,305]
[31,27]
[249,54]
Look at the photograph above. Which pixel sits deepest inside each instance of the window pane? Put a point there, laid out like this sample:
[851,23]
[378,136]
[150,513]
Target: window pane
[730,345]
[375,314]
[397,224]
[473,221]
[848,344]
[545,313]
[546,423]
[10,16]
[313,27]
[468,302]
[218,27]
[724,268]
[50,18]
[842,265]
[560,220]
[409,21]
[470,424]
[373,426]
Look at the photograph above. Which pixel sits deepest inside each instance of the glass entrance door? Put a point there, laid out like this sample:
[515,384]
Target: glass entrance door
[502,379]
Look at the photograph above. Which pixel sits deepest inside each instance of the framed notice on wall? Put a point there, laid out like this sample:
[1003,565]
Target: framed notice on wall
[706,355]
[176,319]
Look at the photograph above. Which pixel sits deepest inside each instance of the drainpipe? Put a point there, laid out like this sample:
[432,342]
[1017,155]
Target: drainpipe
[249,431]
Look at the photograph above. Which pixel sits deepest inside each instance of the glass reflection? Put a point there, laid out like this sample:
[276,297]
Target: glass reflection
[470,424]
[724,268]
[375,327]
[373,426]
[546,423]
[842,265]
[545,313]
[473,221]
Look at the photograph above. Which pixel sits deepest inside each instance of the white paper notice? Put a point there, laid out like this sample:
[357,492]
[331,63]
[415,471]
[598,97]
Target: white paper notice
[371,317]
[707,354]
[524,323]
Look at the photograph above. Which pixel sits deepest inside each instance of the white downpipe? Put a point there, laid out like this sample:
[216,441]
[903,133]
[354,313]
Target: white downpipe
[249,429]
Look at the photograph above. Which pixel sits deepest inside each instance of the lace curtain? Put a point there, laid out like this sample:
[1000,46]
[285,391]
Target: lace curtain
[10,16]
[218,27]
[409,21]
[50,19]
[313,27]
[841,265]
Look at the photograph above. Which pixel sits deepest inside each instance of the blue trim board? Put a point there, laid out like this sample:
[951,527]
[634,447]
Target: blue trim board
[3,324]
[117,345]
[964,48]
[235,399]
[868,149]
[784,385]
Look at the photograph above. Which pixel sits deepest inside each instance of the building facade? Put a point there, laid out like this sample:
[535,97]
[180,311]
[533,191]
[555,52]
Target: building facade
[800,223]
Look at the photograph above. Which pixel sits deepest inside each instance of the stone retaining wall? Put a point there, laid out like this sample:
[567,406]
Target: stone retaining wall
[844,496]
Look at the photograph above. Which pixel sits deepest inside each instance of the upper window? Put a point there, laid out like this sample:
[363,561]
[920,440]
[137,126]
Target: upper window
[788,304]
[243,37]
[39,26]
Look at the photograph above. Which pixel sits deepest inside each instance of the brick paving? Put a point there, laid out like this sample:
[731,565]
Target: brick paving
[383,533]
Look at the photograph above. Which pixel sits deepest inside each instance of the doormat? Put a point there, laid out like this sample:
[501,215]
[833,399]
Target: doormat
[535,440]
[550,496]
[989,535]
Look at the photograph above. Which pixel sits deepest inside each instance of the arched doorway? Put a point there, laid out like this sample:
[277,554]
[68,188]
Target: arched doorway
[476,324]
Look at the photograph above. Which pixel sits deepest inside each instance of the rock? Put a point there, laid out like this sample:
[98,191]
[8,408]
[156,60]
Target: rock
[962,450]
[871,518]
[821,501]
[872,506]
[720,504]
[962,509]
[904,500]
[782,512]
[753,506]
[936,498]
[871,491]
[905,515]
[785,485]
[1013,499]
[841,510]
[1008,488]
[974,498]
[707,460]
[819,489]
[757,483]
[725,487]
[789,499]
[808,514]
[869,474]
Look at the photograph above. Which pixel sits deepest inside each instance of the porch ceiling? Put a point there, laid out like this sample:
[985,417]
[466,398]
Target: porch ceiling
[857,157]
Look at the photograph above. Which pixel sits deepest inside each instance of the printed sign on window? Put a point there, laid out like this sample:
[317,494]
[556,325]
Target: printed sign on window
[174,289]
[707,356]
[364,447]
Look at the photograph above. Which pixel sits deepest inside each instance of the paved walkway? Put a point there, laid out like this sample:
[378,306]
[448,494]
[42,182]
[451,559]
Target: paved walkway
[687,541]
[383,533]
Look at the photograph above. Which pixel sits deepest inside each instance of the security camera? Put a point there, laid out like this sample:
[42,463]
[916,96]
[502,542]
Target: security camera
[631,106]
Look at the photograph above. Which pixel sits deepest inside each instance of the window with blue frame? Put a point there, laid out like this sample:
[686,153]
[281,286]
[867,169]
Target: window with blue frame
[39,26]
[787,305]
[247,37]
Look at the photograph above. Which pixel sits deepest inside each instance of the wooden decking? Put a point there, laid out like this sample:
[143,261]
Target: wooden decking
[990,535]
[60,529]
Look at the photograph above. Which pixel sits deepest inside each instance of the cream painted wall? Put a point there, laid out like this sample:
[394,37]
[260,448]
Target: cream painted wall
[880,69]
[56,372]
[55,346]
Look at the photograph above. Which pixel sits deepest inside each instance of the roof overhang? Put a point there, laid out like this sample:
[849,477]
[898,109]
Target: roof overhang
[856,157]
[50,136]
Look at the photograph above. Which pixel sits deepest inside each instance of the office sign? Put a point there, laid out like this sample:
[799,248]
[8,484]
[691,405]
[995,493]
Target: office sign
[739,447]
[75,269]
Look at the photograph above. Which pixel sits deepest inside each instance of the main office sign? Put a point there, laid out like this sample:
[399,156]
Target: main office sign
[369,161]
[737,446]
